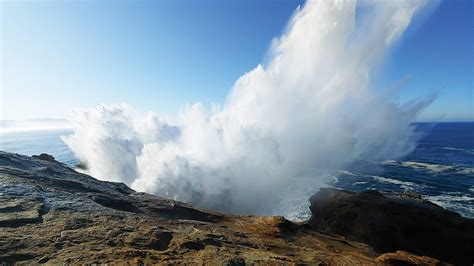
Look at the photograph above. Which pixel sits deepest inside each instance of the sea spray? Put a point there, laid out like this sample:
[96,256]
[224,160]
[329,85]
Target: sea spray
[311,106]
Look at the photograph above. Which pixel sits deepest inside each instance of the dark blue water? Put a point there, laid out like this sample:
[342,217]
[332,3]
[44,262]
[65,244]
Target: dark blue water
[441,168]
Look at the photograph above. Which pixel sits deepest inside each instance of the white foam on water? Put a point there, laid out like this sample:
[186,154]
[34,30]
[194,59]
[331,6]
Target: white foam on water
[461,203]
[403,184]
[436,168]
[432,167]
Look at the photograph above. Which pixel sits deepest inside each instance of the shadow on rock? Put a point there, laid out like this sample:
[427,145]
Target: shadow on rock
[394,222]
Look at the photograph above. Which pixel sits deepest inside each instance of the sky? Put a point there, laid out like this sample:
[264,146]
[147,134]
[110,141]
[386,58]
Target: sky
[160,55]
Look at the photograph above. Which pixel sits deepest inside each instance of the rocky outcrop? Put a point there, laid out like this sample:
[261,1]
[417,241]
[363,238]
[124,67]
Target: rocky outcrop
[393,222]
[44,157]
[50,213]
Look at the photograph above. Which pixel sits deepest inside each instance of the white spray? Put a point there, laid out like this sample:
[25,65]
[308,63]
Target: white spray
[311,107]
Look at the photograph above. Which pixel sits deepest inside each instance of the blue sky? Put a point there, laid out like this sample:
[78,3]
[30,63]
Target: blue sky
[159,55]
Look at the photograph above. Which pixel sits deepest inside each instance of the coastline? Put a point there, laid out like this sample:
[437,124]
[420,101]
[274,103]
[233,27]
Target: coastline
[70,217]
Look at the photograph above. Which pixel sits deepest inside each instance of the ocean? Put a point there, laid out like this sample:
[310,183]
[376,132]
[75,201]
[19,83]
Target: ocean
[441,168]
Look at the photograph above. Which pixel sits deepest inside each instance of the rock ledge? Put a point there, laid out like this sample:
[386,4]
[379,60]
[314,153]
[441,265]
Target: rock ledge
[49,213]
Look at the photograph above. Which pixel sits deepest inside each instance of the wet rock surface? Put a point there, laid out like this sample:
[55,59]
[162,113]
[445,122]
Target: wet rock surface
[49,213]
[393,222]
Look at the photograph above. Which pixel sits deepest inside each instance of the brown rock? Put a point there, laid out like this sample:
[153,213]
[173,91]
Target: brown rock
[53,214]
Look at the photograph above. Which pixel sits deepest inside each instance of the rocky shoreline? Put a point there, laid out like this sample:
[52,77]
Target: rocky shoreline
[390,222]
[49,213]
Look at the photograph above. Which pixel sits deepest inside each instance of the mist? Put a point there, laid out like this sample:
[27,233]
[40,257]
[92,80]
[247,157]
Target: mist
[312,105]
[10,126]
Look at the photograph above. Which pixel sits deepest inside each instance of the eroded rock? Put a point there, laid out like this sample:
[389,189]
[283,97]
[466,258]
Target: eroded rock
[394,222]
[49,213]
[19,211]
[45,157]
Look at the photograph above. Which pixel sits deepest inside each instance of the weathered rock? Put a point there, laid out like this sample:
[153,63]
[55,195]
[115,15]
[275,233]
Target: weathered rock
[45,157]
[20,211]
[50,213]
[394,222]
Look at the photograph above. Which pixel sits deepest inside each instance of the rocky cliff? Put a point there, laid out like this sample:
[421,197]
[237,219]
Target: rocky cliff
[393,222]
[49,213]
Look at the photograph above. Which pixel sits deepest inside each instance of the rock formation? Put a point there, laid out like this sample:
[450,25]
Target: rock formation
[394,222]
[49,213]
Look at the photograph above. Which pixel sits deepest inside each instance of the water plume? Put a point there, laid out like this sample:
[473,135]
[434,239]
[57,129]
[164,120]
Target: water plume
[311,106]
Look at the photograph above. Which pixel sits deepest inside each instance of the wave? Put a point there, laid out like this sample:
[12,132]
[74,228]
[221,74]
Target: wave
[312,104]
[462,204]
[366,179]
[466,171]
[403,184]
[469,151]
[436,168]
[346,172]
[432,167]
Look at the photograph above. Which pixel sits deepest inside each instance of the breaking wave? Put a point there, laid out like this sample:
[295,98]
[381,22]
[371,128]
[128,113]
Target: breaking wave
[312,106]
[432,167]
[461,203]
[403,184]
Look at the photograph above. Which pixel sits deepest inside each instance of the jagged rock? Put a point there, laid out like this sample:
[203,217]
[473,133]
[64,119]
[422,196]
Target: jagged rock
[394,222]
[45,157]
[52,214]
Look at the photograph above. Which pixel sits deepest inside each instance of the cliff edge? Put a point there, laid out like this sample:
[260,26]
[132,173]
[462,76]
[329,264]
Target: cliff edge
[50,213]
[391,222]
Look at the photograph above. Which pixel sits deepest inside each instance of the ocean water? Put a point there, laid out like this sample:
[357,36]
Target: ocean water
[35,142]
[441,168]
